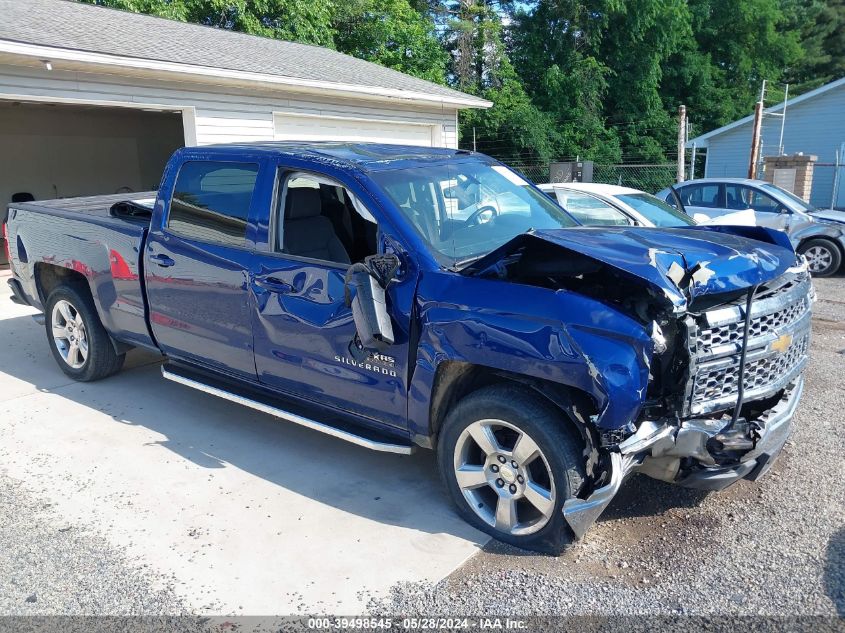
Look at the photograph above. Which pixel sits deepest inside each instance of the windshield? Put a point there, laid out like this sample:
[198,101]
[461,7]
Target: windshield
[802,206]
[655,210]
[465,209]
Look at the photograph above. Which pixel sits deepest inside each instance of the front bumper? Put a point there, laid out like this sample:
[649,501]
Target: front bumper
[659,450]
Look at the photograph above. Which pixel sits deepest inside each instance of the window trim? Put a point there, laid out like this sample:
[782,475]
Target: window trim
[165,224]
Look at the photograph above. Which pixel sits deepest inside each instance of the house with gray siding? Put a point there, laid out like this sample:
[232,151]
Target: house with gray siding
[814,124]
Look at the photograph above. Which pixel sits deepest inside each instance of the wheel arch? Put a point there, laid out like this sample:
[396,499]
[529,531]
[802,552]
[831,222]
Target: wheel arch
[50,276]
[456,379]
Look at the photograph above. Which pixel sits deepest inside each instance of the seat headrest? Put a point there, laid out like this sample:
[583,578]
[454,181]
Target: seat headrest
[303,202]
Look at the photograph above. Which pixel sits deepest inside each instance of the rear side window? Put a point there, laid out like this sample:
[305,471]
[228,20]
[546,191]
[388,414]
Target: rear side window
[211,201]
[701,196]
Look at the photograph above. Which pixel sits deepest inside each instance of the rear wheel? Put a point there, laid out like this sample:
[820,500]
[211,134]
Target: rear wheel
[77,338]
[823,256]
[510,462]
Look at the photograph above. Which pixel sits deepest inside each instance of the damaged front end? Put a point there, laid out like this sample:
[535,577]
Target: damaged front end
[729,321]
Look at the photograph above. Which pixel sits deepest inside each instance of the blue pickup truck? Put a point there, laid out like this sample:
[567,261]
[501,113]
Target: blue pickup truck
[402,297]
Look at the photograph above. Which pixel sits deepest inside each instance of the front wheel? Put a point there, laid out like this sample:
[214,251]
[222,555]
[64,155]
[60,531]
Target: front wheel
[510,461]
[77,338]
[823,257]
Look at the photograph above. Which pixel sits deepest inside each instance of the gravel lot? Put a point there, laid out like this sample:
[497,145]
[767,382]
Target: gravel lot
[48,566]
[775,547]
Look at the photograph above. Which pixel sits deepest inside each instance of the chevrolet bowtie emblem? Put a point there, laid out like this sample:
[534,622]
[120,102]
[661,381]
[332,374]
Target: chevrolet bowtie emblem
[782,343]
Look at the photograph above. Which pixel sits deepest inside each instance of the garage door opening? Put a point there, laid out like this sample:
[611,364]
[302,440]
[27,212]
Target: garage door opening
[52,151]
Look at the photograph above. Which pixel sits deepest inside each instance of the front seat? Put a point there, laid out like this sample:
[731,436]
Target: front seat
[306,232]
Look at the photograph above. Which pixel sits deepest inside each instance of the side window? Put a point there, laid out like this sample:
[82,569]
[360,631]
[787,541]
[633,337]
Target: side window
[741,197]
[320,219]
[211,201]
[590,210]
[700,196]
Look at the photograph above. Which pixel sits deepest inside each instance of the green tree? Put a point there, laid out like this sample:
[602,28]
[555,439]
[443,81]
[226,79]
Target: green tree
[820,26]
[638,39]
[736,44]
[307,21]
[391,33]
[597,65]
[514,129]
[551,45]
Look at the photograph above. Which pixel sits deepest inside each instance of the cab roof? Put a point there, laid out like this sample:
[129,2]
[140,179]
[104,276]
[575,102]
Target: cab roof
[367,156]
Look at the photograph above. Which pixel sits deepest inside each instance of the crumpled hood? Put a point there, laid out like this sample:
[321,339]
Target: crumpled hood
[681,263]
[829,215]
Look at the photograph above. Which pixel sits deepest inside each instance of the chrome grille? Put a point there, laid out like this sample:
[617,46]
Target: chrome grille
[715,384]
[731,333]
[780,317]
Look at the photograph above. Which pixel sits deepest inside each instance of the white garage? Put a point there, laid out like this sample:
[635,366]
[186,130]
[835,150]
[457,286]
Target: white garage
[308,127]
[93,100]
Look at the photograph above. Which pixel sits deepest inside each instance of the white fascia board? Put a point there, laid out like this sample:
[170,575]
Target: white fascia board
[223,75]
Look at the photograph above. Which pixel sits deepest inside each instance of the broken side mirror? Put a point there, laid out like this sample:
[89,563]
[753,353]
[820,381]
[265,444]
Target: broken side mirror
[364,291]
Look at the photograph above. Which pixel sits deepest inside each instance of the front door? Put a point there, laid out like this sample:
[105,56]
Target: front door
[767,211]
[303,328]
[197,264]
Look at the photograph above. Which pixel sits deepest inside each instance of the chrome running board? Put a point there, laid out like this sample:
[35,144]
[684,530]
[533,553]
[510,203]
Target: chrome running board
[372,444]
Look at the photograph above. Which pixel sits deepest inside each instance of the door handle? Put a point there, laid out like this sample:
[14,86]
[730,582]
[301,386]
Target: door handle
[162,260]
[273,284]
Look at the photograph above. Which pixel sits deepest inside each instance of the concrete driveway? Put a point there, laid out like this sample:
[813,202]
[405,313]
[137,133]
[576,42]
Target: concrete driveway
[245,513]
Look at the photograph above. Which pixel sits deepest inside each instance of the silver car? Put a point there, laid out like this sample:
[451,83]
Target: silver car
[818,235]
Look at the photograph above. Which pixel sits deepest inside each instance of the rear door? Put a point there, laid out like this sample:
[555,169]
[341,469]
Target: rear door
[304,331]
[197,264]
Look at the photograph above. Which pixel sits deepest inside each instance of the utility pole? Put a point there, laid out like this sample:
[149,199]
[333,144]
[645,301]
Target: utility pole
[755,134]
[682,141]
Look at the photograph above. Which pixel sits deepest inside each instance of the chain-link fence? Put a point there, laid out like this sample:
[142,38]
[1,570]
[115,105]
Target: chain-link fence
[651,178]
[828,190]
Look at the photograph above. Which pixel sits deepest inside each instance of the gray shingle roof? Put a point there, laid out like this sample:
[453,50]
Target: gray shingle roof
[71,25]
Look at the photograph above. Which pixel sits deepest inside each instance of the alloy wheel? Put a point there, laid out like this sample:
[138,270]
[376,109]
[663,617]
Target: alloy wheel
[69,334]
[819,258]
[504,477]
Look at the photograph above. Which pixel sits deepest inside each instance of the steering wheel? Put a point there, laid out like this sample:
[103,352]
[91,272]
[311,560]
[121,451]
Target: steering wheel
[482,215]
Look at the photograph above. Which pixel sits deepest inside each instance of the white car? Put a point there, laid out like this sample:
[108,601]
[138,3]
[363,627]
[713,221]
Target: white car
[612,205]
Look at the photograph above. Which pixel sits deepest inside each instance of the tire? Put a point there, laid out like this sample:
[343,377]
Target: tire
[77,327]
[527,493]
[823,256]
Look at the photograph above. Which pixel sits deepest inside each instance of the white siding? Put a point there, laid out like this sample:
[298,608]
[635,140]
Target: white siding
[221,114]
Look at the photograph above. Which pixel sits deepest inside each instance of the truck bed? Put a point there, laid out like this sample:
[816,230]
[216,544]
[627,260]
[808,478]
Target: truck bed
[83,235]
[92,207]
